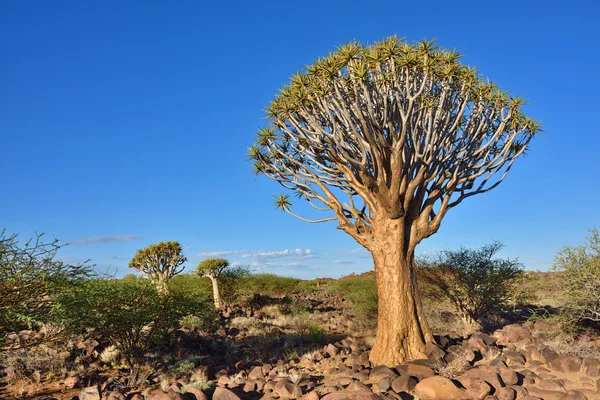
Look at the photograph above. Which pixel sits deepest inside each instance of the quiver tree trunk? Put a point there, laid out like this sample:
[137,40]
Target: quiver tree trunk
[216,294]
[402,330]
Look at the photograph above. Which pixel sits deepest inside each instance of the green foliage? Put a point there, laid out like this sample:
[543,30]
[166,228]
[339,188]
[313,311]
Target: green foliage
[362,291]
[30,278]
[579,268]
[476,283]
[129,314]
[212,267]
[159,262]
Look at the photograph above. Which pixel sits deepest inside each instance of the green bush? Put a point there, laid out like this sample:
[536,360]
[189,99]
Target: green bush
[477,284]
[30,278]
[129,314]
[579,268]
[362,291]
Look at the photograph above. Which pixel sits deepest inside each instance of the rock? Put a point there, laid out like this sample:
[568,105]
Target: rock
[380,372]
[591,367]
[477,388]
[544,393]
[256,373]
[404,383]
[224,394]
[513,357]
[505,393]
[487,339]
[530,398]
[332,350]
[90,393]
[566,364]
[572,395]
[418,371]
[249,386]
[289,391]
[72,382]
[310,396]
[551,384]
[197,393]
[137,396]
[383,385]
[223,381]
[114,396]
[437,388]
[158,394]
[350,395]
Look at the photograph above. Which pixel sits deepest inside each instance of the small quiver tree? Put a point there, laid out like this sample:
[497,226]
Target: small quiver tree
[159,262]
[213,268]
[386,139]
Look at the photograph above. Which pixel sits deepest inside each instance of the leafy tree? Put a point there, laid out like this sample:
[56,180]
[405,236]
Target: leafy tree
[130,314]
[476,283]
[579,268]
[213,268]
[159,262]
[403,132]
[30,278]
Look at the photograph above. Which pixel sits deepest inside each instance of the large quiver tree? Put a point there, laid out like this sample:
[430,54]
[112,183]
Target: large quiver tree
[159,262]
[387,138]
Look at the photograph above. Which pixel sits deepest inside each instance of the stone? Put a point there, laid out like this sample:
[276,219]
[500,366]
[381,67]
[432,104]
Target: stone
[332,350]
[72,382]
[289,391]
[505,393]
[566,364]
[418,371]
[487,339]
[310,396]
[437,388]
[550,384]
[380,372]
[544,393]
[572,395]
[477,388]
[404,383]
[197,393]
[224,394]
[256,373]
[90,393]
[591,367]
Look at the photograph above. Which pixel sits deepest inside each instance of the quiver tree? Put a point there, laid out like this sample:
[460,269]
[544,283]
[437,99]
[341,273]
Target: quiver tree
[159,262]
[213,268]
[386,139]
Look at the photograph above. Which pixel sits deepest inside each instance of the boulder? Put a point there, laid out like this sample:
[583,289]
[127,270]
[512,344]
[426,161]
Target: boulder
[505,393]
[418,371]
[197,393]
[90,393]
[566,364]
[289,391]
[224,394]
[404,383]
[72,382]
[591,367]
[438,388]
[573,395]
[256,373]
[477,388]
[380,372]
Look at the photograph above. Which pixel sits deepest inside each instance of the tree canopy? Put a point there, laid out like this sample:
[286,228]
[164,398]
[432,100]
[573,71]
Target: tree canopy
[400,127]
[159,262]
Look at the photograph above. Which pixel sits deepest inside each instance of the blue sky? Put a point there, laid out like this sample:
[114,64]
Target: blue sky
[126,123]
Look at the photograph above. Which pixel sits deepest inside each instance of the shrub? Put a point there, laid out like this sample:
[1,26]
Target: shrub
[268,284]
[30,278]
[362,291]
[476,283]
[129,314]
[579,268]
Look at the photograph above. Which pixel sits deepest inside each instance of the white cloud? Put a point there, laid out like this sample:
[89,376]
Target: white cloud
[352,251]
[267,255]
[105,239]
[220,253]
[347,262]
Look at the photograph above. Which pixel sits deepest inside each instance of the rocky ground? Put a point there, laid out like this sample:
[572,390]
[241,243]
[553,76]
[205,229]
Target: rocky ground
[512,362]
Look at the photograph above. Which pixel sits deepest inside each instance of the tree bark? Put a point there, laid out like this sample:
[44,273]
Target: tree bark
[402,329]
[216,294]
